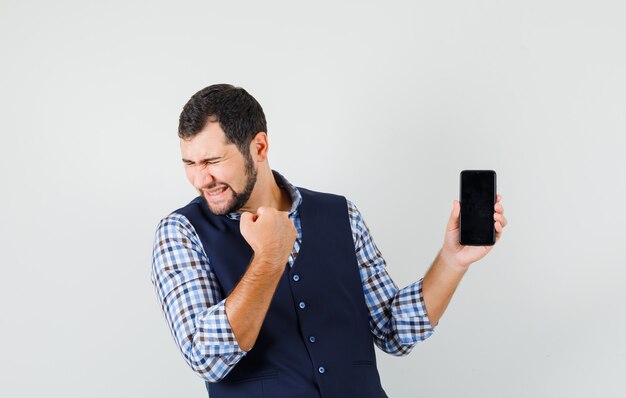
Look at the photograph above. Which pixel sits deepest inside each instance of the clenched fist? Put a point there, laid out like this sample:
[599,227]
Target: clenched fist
[270,233]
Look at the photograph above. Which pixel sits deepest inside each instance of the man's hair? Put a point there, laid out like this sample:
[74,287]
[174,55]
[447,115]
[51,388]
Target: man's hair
[238,113]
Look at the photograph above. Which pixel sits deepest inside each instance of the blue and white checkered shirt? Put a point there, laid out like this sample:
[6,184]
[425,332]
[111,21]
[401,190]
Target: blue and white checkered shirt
[193,307]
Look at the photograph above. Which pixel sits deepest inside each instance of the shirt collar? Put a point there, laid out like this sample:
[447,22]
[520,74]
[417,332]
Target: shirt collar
[283,183]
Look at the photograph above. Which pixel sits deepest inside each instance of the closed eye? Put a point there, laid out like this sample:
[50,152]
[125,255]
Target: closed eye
[204,162]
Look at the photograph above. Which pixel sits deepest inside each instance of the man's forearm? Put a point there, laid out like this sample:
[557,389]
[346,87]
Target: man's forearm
[248,303]
[439,285]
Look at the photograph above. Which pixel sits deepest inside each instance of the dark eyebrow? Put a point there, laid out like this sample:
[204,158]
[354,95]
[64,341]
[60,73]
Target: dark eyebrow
[203,160]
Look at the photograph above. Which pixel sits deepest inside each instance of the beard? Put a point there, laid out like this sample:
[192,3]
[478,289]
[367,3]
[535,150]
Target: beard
[238,199]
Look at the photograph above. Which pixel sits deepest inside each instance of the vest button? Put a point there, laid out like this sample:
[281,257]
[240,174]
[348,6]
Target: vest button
[302,305]
[321,369]
[312,339]
[296,277]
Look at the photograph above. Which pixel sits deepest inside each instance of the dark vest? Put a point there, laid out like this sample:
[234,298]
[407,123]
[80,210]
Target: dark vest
[315,340]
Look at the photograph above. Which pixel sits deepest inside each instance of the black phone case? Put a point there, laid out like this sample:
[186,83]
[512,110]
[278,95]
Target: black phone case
[482,232]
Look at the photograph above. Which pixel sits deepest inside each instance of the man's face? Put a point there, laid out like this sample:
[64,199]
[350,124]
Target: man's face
[219,172]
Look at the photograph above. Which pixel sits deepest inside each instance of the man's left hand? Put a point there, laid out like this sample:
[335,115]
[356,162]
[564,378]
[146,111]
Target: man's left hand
[460,256]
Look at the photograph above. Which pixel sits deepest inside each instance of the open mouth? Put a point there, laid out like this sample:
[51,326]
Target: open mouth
[216,193]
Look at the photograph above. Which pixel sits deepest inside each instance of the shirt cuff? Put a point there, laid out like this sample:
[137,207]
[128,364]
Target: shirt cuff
[409,307]
[219,333]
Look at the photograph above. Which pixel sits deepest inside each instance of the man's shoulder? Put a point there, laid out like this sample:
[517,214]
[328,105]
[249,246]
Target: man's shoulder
[330,200]
[178,220]
[339,198]
[320,194]
[173,223]
[193,204]
[187,212]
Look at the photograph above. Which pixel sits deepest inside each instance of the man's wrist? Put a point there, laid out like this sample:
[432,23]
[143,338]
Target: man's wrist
[264,263]
[449,261]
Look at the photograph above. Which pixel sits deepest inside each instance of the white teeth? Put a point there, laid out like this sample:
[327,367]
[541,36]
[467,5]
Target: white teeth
[216,192]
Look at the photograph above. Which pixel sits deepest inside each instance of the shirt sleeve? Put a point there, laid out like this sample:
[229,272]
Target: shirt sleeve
[398,318]
[190,298]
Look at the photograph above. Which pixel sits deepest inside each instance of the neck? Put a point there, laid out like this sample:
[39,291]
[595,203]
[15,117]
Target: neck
[267,193]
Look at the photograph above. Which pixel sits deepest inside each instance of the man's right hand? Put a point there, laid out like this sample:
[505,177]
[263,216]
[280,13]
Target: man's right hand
[270,233]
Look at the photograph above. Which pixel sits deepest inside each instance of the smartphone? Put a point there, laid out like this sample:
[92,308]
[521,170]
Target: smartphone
[478,197]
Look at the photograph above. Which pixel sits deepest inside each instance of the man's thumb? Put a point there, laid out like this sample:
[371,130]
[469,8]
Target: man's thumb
[246,217]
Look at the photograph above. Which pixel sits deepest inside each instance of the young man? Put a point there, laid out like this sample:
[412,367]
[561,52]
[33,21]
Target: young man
[273,290]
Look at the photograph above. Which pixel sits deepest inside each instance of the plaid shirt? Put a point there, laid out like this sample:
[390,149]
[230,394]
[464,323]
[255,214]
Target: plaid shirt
[189,294]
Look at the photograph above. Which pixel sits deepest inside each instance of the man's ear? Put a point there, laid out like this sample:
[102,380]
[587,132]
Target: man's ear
[259,146]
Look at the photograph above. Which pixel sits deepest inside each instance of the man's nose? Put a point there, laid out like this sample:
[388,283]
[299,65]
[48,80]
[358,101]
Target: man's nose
[202,178]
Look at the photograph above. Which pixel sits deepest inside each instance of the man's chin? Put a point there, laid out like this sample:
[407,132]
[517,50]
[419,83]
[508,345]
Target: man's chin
[220,209]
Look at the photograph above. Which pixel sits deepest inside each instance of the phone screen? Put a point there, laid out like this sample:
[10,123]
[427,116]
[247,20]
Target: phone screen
[478,197]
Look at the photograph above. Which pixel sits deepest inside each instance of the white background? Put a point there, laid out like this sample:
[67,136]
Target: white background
[383,102]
